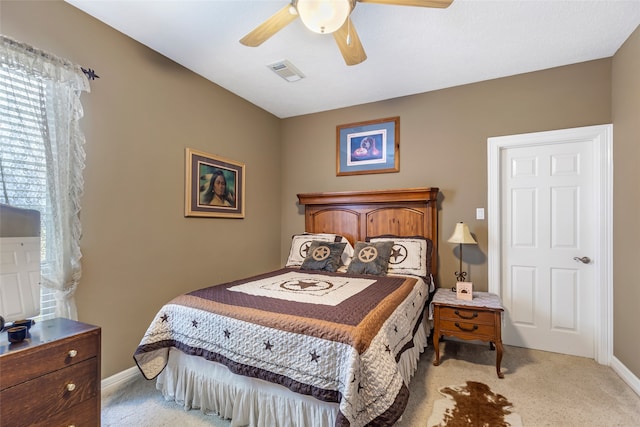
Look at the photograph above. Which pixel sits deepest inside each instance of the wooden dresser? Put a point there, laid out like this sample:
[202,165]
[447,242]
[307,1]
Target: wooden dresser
[53,377]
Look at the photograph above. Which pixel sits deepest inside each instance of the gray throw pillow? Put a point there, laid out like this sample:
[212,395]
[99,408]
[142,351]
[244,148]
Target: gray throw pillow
[323,256]
[371,258]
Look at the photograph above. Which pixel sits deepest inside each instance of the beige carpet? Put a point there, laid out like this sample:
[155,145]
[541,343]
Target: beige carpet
[546,389]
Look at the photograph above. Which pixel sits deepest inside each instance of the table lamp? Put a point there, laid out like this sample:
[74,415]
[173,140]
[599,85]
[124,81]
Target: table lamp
[461,235]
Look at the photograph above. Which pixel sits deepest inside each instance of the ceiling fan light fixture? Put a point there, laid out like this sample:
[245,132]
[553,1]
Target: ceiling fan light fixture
[324,16]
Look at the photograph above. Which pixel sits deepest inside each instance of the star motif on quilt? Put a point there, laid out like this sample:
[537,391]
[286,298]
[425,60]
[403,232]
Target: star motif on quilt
[268,345]
[304,284]
[227,334]
[395,328]
[194,323]
[314,356]
[164,317]
[387,348]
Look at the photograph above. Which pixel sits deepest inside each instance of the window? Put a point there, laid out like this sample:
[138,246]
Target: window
[23,166]
[41,160]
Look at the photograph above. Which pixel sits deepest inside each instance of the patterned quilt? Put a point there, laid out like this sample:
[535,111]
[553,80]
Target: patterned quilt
[333,336]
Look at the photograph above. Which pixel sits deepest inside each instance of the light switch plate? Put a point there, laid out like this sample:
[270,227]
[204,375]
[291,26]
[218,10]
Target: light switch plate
[479,213]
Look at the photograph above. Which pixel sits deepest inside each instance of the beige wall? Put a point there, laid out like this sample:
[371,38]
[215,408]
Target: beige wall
[443,143]
[626,227]
[138,248]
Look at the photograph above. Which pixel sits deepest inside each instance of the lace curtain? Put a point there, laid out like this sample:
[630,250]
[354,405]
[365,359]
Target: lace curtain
[58,105]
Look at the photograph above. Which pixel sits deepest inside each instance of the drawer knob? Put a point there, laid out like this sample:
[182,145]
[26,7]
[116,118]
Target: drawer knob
[466,329]
[73,353]
[475,314]
[71,386]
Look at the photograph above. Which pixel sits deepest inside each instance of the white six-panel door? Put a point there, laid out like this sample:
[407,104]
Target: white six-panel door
[548,253]
[547,224]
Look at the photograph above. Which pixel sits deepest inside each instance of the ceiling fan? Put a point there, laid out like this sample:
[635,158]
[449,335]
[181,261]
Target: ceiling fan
[328,16]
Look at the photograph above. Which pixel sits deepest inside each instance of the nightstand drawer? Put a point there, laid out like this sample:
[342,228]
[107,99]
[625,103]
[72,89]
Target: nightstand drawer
[36,400]
[49,358]
[467,315]
[467,327]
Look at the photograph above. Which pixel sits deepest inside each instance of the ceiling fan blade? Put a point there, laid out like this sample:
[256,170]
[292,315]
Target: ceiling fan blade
[417,3]
[268,28]
[352,51]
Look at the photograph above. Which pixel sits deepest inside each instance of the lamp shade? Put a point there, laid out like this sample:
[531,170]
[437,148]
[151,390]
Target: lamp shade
[462,235]
[323,16]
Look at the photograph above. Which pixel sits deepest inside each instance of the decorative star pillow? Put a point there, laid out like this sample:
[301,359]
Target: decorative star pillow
[370,258]
[300,244]
[409,255]
[323,256]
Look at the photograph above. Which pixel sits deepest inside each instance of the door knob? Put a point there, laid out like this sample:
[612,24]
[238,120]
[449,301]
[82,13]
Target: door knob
[584,259]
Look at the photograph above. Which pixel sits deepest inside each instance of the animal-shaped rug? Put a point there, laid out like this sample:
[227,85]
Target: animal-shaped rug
[475,405]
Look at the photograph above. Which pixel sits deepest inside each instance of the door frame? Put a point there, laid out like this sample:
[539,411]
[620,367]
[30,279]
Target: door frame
[602,138]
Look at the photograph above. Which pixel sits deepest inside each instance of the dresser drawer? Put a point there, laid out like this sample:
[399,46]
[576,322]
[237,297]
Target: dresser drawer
[467,327]
[17,368]
[467,314]
[41,398]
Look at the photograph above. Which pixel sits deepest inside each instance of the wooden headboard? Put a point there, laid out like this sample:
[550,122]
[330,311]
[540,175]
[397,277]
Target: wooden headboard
[361,214]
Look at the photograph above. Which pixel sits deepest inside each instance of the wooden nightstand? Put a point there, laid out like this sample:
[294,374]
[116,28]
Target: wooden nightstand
[53,377]
[478,319]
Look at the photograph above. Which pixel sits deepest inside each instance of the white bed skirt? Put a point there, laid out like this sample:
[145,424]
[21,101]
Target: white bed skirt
[196,383]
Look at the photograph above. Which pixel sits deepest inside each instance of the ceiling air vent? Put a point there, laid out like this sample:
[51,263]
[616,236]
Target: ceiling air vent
[287,71]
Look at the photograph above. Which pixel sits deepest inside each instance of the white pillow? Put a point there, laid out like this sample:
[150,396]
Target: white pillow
[300,244]
[409,255]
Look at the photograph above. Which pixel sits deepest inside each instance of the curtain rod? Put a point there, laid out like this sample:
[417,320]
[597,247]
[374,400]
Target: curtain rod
[32,53]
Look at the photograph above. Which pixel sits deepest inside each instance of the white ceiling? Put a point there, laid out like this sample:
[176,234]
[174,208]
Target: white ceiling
[410,49]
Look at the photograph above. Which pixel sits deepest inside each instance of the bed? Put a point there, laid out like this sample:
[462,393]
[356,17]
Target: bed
[332,338]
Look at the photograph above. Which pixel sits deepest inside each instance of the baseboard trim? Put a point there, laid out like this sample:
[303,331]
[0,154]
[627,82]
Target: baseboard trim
[120,379]
[626,375]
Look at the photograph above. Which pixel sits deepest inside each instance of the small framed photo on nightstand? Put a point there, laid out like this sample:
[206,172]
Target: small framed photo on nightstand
[464,290]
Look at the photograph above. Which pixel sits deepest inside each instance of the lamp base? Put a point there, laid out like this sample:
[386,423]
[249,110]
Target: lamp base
[461,276]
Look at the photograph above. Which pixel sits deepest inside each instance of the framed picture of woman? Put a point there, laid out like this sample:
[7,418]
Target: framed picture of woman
[214,186]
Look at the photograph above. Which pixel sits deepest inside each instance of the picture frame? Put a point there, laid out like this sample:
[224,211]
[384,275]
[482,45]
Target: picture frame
[214,186]
[368,147]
